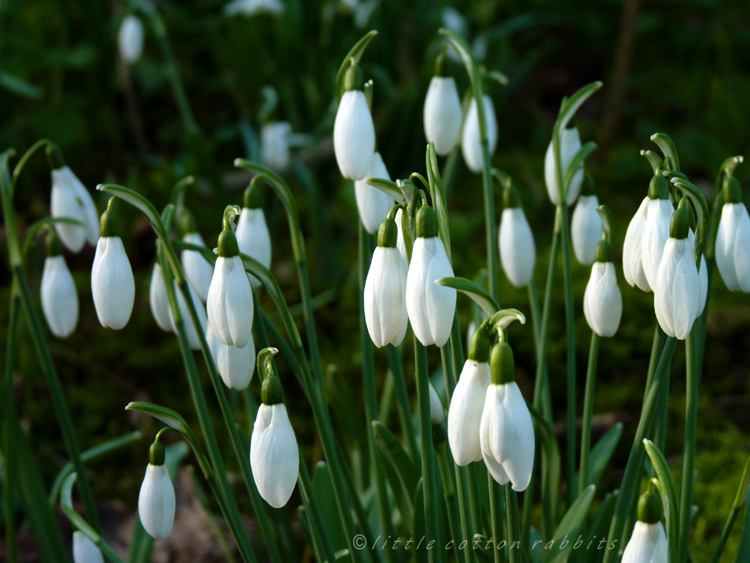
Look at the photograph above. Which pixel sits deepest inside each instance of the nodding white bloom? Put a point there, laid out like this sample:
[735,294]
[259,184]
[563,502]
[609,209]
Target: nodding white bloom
[602,302]
[112,283]
[400,244]
[274,455]
[156,502]
[385,290]
[230,297]
[254,7]
[274,147]
[59,295]
[192,335]
[353,130]
[632,250]
[570,144]
[69,198]
[198,270]
[702,275]
[130,39]
[655,235]
[252,233]
[84,550]
[733,240]
[437,411]
[431,307]
[515,241]
[467,402]
[157,297]
[677,290]
[373,203]
[442,110]
[506,433]
[236,365]
[586,229]
[648,544]
[471,143]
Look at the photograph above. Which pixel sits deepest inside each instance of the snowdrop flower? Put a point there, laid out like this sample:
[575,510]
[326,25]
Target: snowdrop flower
[454,21]
[59,295]
[677,292]
[506,433]
[236,365]
[112,283]
[430,306]
[157,297]
[192,335]
[197,269]
[632,251]
[648,544]
[385,290]
[400,244]
[252,233]
[254,7]
[353,130]
[84,550]
[275,144]
[373,204]
[702,276]
[655,227]
[733,239]
[442,110]
[570,144]
[230,297]
[515,241]
[471,144]
[274,455]
[467,402]
[130,39]
[586,225]
[69,198]
[156,502]
[602,302]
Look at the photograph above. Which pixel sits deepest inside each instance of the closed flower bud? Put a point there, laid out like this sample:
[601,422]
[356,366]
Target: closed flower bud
[84,550]
[516,242]
[130,39]
[442,110]
[353,130]
[602,302]
[156,502]
[632,251]
[570,144]
[274,138]
[59,295]
[586,229]
[112,283]
[733,246]
[373,204]
[648,544]
[471,141]
[236,365]
[431,307]
[192,335]
[157,297]
[197,269]
[252,233]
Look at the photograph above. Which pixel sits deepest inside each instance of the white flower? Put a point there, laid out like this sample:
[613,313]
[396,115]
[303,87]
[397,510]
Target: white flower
[733,247]
[437,412]
[570,144]
[230,302]
[236,365]
[470,333]
[702,276]
[373,203]
[275,144]
[156,502]
[84,550]
[586,229]
[648,544]
[130,39]
[507,436]
[454,21]
[655,235]
[430,306]
[274,457]
[192,335]
[677,289]
[197,269]
[400,244]
[254,239]
[442,114]
[465,412]
[69,198]
[632,251]
[112,283]
[385,295]
[602,302]
[59,297]
[157,297]
[516,245]
[254,7]
[353,134]
[471,144]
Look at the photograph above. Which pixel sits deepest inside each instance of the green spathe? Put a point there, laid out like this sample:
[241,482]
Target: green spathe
[732,190]
[253,198]
[353,79]
[427,222]
[658,188]
[649,508]
[603,251]
[271,392]
[110,218]
[680,224]
[479,351]
[228,247]
[156,454]
[388,233]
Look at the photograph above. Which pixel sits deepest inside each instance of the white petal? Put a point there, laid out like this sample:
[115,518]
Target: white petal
[686,295]
[239,305]
[236,365]
[726,239]
[64,202]
[198,270]
[648,544]
[130,39]
[112,283]
[385,298]
[465,412]
[400,244]
[603,300]
[353,136]
[84,550]
[158,299]
[59,297]
[518,454]
[254,239]
[570,142]
[516,245]
[471,145]
[491,433]
[655,235]
[632,262]
[373,204]
[440,300]
[192,335]
[421,258]
[275,145]
[742,249]
[586,229]
[274,456]
[664,285]
[217,298]
[442,114]
[156,502]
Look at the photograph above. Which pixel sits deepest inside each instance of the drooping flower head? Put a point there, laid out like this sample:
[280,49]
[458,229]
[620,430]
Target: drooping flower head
[353,130]
[274,147]
[656,227]
[733,239]
[156,502]
[515,241]
[471,138]
[58,291]
[570,144]
[84,550]
[648,544]
[252,233]
[130,39]
[236,365]
[442,109]
[602,302]
[373,203]
[586,224]
[197,269]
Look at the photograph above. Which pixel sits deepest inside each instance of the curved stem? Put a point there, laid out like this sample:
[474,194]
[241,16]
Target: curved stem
[9,413]
[588,412]
[22,161]
[688,459]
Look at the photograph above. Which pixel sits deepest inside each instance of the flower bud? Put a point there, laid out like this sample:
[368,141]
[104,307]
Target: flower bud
[586,229]
[157,297]
[84,550]
[733,246]
[252,233]
[274,148]
[156,502]
[649,541]
[442,111]
[130,39]
[471,141]
[632,251]
[602,302]
[353,130]
[373,204]
[570,144]
[516,242]
[655,234]
[58,292]
[197,269]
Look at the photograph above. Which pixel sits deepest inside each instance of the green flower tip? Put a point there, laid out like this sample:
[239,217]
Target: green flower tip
[442,68]
[55,157]
[388,233]
[511,198]
[732,190]
[353,78]
[603,251]
[587,186]
[187,221]
[479,351]
[253,198]
[53,244]
[110,218]
[427,222]
[156,454]
[228,247]
[649,508]
[271,392]
[680,224]
[658,188]
[502,366]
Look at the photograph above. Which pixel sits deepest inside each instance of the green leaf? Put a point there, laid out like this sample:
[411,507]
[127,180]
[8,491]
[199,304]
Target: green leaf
[570,525]
[355,53]
[138,201]
[323,489]
[601,453]
[419,524]
[551,464]
[20,86]
[391,188]
[741,498]
[399,470]
[571,105]
[668,495]
[35,230]
[476,293]
[438,197]
[743,551]
[600,526]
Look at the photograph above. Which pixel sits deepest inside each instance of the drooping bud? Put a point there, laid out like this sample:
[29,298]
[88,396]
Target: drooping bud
[502,365]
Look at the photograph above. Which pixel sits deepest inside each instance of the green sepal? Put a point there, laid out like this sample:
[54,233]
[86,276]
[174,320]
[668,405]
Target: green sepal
[228,246]
[156,454]
[353,79]
[254,196]
[55,157]
[603,251]
[53,244]
[658,188]
[479,351]
[271,392]
[388,233]
[649,507]
[502,364]
[732,190]
[511,198]
[680,224]
[427,222]
[110,218]
[442,68]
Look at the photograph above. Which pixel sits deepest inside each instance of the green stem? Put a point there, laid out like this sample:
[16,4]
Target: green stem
[514,535]
[402,400]
[496,518]
[662,417]
[475,504]
[588,412]
[688,459]
[317,527]
[456,529]
[9,409]
[733,513]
